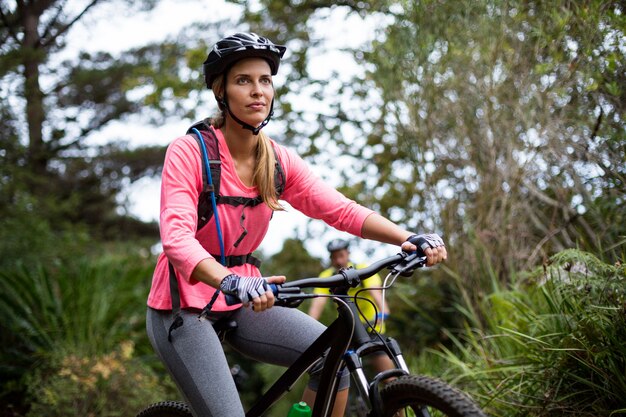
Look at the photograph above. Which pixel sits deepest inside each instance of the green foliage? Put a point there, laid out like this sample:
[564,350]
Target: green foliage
[421,307]
[293,261]
[28,239]
[498,121]
[69,180]
[553,346]
[105,385]
[86,191]
[485,102]
[84,306]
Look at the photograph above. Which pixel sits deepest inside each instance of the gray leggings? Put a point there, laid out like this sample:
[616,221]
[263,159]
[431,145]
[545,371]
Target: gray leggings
[197,363]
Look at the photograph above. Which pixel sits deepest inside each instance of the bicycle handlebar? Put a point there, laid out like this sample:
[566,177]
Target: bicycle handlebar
[402,263]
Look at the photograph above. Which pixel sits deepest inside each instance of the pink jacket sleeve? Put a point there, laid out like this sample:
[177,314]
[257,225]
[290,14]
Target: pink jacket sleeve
[180,187]
[307,193]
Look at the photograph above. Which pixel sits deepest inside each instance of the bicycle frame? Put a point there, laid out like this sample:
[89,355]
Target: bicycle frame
[344,342]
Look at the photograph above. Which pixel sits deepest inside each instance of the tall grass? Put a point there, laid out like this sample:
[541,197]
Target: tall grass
[553,345]
[76,310]
[91,305]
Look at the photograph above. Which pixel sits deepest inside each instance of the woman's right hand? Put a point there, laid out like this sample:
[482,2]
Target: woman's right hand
[251,289]
[269,295]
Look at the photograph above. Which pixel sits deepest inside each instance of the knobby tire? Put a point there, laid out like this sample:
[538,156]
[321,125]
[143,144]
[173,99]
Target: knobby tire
[410,393]
[166,409]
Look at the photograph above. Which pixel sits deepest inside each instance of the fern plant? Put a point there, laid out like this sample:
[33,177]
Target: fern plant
[551,346]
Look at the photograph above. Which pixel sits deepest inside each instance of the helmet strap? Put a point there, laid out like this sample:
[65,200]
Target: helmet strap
[255,130]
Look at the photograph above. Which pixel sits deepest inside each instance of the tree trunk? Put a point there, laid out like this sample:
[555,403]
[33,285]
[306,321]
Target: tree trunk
[38,157]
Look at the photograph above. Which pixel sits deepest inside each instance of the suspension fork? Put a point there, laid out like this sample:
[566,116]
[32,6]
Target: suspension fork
[361,341]
[353,362]
[397,354]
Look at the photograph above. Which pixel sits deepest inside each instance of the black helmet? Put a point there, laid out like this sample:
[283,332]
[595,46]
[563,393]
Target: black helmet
[337,244]
[238,46]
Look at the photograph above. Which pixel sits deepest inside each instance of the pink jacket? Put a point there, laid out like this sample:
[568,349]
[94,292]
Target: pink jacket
[185,247]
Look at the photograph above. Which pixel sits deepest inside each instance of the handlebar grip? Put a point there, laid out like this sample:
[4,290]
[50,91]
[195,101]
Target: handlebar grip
[419,252]
[233,299]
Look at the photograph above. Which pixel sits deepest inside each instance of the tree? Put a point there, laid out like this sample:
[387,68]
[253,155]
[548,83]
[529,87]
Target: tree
[48,166]
[515,109]
[500,124]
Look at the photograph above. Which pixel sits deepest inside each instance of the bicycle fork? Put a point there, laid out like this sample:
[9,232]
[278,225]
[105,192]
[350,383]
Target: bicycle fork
[369,392]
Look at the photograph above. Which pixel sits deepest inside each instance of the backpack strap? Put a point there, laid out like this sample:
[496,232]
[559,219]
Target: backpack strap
[175,296]
[205,208]
[211,144]
[238,260]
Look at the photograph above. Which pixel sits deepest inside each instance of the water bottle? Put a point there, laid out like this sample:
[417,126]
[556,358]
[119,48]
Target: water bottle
[300,409]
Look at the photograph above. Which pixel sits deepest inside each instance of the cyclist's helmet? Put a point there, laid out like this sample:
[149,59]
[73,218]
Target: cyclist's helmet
[337,244]
[238,46]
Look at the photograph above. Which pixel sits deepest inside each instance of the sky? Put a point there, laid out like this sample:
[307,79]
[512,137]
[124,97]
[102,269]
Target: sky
[107,30]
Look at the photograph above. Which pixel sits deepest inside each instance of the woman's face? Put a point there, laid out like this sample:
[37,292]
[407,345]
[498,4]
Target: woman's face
[249,90]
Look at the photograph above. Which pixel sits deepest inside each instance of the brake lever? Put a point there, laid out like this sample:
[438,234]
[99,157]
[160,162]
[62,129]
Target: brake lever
[406,268]
[287,296]
[289,300]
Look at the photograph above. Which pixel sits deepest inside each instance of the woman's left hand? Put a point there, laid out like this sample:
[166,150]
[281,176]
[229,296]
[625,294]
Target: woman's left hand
[430,244]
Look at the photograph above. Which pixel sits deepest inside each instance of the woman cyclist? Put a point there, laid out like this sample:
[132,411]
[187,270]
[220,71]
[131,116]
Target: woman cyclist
[239,70]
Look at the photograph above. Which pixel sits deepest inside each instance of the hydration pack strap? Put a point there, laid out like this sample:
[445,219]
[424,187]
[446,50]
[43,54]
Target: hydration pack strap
[175,296]
[237,260]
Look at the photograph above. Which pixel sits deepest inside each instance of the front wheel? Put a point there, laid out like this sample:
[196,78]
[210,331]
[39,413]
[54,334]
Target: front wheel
[422,396]
[166,409]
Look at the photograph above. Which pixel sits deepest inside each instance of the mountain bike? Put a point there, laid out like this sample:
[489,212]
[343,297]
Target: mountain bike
[345,343]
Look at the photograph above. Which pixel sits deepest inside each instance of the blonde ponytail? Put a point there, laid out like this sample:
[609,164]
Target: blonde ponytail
[264,172]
